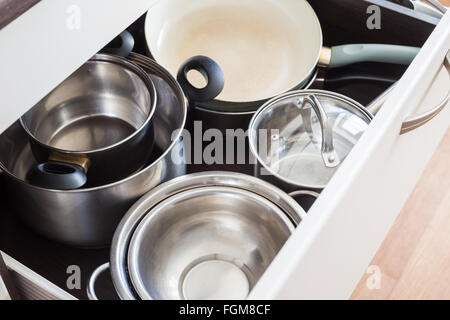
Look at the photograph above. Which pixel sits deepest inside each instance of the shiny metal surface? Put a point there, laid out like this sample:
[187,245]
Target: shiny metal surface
[207,243]
[90,290]
[88,217]
[414,122]
[288,149]
[417,121]
[378,102]
[305,198]
[126,228]
[329,156]
[103,112]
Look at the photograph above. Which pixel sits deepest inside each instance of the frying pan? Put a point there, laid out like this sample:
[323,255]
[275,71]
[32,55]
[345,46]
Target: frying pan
[265,47]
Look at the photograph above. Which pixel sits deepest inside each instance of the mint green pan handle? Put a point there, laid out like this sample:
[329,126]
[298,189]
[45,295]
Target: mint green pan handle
[387,53]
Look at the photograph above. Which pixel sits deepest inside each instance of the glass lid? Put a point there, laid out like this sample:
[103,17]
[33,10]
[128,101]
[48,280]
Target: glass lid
[303,136]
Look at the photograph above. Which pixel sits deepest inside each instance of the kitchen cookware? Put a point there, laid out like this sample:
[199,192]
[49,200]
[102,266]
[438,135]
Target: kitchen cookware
[122,45]
[305,198]
[273,46]
[95,127]
[87,217]
[299,138]
[210,224]
[216,241]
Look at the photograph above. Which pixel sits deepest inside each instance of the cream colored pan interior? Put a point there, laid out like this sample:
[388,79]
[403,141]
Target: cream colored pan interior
[265,47]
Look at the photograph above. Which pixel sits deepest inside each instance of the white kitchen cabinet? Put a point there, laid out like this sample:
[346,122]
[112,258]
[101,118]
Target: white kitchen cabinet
[332,247]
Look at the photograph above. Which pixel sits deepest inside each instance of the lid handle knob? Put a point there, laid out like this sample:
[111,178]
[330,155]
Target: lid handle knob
[329,155]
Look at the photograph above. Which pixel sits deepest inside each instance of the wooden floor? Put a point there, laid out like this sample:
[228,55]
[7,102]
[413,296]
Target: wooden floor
[414,259]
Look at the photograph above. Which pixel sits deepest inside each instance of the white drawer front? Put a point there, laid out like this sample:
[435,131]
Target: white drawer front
[333,246]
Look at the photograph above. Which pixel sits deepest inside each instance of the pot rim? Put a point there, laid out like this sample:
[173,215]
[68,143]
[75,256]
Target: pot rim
[157,210]
[252,130]
[161,72]
[129,222]
[301,83]
[127,64]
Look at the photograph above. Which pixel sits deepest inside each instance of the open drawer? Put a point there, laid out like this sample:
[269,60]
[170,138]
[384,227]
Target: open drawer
[331,248]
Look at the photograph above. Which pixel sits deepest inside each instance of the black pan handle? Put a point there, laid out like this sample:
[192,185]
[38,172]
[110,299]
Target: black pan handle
[57,175]
[335,80]
[212,73]
[122,45]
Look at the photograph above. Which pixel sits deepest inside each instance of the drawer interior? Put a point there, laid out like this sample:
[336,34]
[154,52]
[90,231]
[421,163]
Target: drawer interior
[343,21]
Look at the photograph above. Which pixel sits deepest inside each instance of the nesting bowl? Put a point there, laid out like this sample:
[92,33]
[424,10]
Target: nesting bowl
[208,235]
[207,243]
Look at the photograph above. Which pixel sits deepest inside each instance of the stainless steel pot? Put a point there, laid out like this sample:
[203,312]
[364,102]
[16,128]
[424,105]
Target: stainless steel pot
[94,128]
[88,217]
[238,223]
[300,138]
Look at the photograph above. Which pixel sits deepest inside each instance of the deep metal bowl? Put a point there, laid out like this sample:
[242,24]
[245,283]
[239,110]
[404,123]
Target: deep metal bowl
[190,184]
[207,243]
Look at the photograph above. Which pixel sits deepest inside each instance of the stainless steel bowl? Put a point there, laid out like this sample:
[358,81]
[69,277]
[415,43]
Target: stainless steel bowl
[99,118]
[238,186]
[207,243]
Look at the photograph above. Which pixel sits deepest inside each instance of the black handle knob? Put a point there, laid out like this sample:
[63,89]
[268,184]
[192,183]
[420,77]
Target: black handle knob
[57,175]
[212,73]
[122,45]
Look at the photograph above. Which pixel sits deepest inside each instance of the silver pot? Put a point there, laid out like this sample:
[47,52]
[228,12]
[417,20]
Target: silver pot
[300,138]
[94,128]
[88,217]
[200,225]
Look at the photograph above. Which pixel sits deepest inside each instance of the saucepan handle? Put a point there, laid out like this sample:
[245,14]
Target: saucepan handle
[417,121]
[329,155]
[376,104]
[57,175]
[93,279]
[343,55]
[302,193]
[126,45]
[211,72]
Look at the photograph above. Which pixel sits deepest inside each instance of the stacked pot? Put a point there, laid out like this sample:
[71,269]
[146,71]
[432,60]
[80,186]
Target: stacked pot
[83,155]
[201,236]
